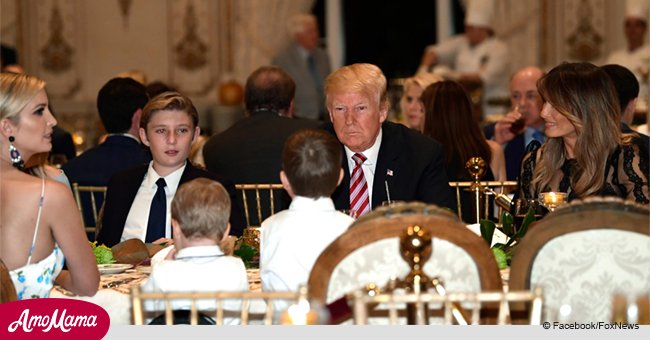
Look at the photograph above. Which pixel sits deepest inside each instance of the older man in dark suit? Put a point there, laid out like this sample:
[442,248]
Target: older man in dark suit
[383,161]
[308,65]
[524,124]
[250,151]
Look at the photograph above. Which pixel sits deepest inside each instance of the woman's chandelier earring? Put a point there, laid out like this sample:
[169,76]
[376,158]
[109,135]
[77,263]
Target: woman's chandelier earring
[16,160]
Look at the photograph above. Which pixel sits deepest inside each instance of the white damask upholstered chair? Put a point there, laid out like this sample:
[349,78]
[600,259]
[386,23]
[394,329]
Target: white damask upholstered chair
[369,252]
[583,254]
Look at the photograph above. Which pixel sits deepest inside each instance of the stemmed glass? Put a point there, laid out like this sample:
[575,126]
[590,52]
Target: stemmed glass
[552,200]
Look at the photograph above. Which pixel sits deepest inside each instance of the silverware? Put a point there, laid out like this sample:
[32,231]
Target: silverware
[64,291]
[116,283]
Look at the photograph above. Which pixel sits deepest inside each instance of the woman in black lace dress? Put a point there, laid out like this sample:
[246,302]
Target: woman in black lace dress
[585,153]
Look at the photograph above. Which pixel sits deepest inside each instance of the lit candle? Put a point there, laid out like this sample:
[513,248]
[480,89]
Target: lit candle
[551,199]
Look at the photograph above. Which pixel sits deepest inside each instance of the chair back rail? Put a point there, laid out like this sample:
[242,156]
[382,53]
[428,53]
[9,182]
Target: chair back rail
[264,195]
[432,301]
[484,200]
[82,205]
[220,311]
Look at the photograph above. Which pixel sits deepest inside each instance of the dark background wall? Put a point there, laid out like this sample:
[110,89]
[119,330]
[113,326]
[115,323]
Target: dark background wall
[390,34]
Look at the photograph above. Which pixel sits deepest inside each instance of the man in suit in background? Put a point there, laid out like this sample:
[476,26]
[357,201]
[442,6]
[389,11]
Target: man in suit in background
[308,65]
[523,124]
[119,102]
[250,151]
[383,161]
[138,199]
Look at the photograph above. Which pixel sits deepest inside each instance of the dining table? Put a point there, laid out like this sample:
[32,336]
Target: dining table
[114,293]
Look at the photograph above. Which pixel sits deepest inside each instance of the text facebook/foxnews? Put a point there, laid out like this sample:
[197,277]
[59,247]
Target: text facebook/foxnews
[595,325]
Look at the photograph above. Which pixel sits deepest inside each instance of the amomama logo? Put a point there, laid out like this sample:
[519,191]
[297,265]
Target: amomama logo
[52,319]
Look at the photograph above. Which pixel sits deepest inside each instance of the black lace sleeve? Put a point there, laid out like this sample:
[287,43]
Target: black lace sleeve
[526,172]
[631,175]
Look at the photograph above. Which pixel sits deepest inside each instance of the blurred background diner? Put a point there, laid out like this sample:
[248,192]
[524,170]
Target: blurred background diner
[81,50]
[423,108]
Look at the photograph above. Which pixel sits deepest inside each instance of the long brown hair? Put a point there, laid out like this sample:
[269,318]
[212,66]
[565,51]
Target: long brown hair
[448,118]
[584,94]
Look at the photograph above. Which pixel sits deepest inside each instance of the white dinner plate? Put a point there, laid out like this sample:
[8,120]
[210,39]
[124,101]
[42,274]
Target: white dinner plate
[113,268]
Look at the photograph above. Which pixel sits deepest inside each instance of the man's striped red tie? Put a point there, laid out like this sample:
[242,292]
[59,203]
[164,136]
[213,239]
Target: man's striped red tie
[359,198]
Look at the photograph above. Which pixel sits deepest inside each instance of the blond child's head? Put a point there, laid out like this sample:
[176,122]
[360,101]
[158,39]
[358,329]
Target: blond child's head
[201,210]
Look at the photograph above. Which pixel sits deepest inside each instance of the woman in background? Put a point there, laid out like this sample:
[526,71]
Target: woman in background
[449,119]
[40,222]
[411,105]
[585,153]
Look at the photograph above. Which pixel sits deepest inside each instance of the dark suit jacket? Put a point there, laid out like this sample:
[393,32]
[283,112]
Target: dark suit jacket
[310,99]
[250,151]
[124,186]
[97,165]
[418,170]
[514,152]
[62,143]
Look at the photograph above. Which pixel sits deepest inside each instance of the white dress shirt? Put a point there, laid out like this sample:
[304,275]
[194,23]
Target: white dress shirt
[369,165]
[633,60]
[136,221]
[292,239]
[198,269]
[490,59]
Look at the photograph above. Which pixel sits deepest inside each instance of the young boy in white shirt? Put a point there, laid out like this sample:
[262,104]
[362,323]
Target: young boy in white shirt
[292,239]
[200,213]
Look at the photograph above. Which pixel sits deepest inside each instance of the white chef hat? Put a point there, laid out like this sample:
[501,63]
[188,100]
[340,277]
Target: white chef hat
[637,9]
[480,13]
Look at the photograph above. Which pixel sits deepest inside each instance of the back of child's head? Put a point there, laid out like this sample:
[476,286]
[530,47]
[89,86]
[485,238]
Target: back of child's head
[311,160]
[202,208]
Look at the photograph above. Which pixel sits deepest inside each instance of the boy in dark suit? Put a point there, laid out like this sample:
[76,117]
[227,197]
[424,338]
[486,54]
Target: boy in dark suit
[138,200]
[119,102]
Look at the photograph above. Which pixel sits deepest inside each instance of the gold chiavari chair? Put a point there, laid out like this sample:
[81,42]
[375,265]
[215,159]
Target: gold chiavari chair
[369,252]
[86,197]
[255,306]
[264,199]
[450,303]
[485,203]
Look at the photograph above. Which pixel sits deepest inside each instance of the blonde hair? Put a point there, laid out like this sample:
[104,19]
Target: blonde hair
[584,94]
[366,79]
[169,101]
[16,91]
[202,208]
[422,80]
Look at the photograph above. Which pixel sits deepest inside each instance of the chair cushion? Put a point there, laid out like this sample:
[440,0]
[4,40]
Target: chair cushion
[584,269]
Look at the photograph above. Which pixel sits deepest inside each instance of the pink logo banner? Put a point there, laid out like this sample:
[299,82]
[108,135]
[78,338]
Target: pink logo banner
[52,319]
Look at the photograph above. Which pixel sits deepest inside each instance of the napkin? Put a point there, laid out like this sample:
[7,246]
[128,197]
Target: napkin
[498,237]
[132,251]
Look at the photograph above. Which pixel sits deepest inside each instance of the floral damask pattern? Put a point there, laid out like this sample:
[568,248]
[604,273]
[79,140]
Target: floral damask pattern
[380,261]
[585,269]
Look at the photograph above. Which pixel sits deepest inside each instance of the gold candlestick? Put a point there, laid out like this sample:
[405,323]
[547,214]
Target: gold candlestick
[476,168]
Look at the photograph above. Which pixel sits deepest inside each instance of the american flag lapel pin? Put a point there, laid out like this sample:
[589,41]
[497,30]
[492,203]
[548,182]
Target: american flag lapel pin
[389,172]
